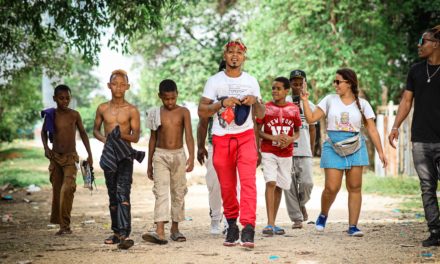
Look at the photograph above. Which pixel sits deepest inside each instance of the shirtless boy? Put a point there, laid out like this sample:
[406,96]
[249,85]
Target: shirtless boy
[121,128]
[60,127]
[167,163]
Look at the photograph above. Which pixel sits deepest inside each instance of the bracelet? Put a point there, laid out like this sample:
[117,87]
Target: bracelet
[221,103]
[395,128]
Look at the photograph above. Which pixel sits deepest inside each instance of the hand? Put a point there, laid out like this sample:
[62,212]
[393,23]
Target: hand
[231,102]
[304,87]
[190,164]
[393,137]
[48,153]
[150,173]
[258,159]
[384,160]
[202,153]
[285,141]
[304,95]
[90,161]
[249,100]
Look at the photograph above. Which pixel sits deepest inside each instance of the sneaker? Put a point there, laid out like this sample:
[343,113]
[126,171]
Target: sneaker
[432,240]
[232,236]
[215,227]
[304,213]
[297,224]
[320,222]
[354,231]
[247,236]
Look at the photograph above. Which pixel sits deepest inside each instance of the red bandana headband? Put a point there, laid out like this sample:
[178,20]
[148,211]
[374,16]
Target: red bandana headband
[238,44]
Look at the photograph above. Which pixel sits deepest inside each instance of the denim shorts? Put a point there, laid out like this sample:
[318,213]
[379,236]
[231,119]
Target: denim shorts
[331,160]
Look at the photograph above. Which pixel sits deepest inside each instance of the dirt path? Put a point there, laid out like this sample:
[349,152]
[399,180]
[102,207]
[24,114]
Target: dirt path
[390,237]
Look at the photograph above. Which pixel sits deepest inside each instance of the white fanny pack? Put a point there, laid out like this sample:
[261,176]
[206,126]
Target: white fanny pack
[347,146]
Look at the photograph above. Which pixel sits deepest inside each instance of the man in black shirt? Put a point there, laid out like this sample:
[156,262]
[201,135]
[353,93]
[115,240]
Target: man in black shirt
[423,87]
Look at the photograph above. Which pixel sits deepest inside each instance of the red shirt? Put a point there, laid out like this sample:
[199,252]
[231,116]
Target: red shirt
[277,120]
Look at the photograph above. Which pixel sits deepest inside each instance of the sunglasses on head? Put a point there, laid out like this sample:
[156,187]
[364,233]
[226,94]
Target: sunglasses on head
[423,40]
[337,82]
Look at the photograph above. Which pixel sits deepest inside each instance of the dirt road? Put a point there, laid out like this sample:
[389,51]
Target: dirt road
[390,236]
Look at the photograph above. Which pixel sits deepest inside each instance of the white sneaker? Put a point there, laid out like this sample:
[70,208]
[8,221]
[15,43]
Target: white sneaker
[215,227]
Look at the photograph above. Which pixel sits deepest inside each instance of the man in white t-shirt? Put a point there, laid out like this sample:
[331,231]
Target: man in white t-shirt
[302,182]
[229,97]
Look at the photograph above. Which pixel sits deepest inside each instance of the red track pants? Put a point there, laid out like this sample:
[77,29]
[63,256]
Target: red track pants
[232,153]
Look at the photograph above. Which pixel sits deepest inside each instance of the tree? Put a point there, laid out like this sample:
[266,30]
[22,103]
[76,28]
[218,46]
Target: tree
[322,36]
[20,102]
[188,49]
[43,34]
[32,31]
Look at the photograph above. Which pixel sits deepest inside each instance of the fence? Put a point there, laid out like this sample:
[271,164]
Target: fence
[400,160]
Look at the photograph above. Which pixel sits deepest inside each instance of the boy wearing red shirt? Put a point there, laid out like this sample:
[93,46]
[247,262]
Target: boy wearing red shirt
[280,125]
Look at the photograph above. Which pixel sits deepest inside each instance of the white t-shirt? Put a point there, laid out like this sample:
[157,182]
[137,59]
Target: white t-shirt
[341,117]
[220,85]
[301,146]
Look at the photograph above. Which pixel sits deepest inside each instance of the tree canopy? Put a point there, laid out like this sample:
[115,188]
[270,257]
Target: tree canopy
[38,32]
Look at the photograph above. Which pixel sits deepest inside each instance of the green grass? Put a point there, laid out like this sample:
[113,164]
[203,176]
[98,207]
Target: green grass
[390,186]
[22,166]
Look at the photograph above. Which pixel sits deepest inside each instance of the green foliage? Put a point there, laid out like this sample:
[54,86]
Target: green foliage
[23,166]
[390,186]
[188,49]
[39,32]
[88,113]
[20,103]
[80,80]
[322,36]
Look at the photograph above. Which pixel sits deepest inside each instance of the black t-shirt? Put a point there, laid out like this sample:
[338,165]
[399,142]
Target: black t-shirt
[426,118]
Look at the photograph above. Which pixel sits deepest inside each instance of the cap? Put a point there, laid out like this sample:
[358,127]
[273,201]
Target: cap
[297,74]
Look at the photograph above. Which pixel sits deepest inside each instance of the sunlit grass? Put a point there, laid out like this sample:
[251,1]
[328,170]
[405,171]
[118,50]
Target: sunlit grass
[390,186]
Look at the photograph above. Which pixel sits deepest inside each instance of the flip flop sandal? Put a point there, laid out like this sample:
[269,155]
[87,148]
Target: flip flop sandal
[153,237]
[111,240]
[278,230]
[178,237]
[268,230]
[126,243]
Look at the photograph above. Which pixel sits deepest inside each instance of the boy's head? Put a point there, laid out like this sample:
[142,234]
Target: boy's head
[297,78]
[119,72]
[234,53]
[168,93]
[62,96]
[118,83]
[280,89]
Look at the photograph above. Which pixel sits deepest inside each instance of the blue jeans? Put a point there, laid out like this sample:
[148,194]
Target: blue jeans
[118,188]
[425,156]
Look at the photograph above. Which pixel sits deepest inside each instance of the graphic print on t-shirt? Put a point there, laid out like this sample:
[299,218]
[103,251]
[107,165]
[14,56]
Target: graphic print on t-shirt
[279,120]
[236,90]
[344,123]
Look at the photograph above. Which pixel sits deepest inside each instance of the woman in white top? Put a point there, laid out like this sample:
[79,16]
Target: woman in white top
[345,114]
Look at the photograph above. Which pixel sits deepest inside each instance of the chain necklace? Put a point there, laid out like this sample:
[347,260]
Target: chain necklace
[427,72]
